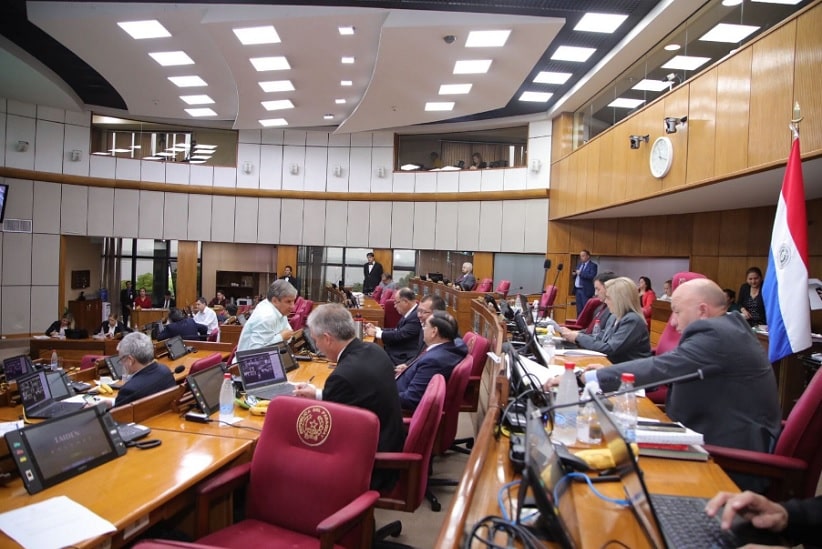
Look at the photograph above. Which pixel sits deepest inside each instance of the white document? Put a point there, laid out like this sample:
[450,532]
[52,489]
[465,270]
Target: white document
[53,523]
[577,352]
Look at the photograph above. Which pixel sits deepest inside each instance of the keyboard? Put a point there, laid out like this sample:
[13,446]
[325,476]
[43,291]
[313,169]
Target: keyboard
[685,524]
[273,391]
[56,409]
[132,431]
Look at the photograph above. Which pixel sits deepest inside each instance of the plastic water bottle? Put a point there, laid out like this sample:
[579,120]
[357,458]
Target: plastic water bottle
[55,361]
[625,408]
[589,430]
[549,347]
[227,398]
[565,419]
[596,329]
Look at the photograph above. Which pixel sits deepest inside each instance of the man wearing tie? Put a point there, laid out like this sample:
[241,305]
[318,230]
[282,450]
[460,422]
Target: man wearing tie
[168,301]
[372,274]
[584,279]
[289,277]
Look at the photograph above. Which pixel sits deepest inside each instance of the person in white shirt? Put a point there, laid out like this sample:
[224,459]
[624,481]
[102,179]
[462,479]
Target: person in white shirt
[666,291]
[206,315]
[268,323]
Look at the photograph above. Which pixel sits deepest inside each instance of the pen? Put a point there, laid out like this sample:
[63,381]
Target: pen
[311,379]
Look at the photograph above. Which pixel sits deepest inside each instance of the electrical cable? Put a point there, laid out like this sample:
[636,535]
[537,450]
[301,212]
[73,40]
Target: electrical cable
[587,479]
[492,527]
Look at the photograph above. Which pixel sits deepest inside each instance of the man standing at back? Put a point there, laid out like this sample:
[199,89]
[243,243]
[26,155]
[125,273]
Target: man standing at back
[372,274]
[268,323]
[584,280]
[401,343]
[288,276]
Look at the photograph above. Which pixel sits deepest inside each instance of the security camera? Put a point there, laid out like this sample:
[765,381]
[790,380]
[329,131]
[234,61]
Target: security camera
[449,38]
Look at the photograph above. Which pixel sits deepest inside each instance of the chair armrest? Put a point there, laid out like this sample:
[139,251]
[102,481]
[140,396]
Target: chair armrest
[755,463]
[396,460]
[218,486]
[359,511]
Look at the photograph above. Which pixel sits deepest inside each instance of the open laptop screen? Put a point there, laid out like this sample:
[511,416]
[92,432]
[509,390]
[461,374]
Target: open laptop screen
[34,389]
[261,366]
[17,366]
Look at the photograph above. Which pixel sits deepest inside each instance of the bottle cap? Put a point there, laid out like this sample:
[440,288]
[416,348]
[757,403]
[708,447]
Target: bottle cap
[570,365]
[227,375]
[628,377]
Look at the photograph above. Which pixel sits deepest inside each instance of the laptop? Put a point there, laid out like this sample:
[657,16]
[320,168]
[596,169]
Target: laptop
[671,521]
[17,366]
[263,372]
[50,452]
[43,393]
[205,387]
[176,348]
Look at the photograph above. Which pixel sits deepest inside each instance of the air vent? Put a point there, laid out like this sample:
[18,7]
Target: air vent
[17,226]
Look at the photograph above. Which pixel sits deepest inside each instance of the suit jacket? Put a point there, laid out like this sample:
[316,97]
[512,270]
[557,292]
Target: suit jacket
[185,328]
[371,280]
[442,359]
[54,327]
[127,296]
[402,343]
[364,377]
[162,303]
[586,277]
[294,281]
[804,518]
[624,340]
[120,328]
[466,282]
[736,404]
[152,379]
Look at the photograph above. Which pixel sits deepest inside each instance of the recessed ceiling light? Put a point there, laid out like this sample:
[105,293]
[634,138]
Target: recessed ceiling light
[729,3]
[547,77]
[277,86]
[278,105]
[171,58]
[728,33]
[153,157]
[685,62]
[144,29]
[455,89]
[672,47]
[473,66]
[600,22]
[487,39]
[258,35]
[276,63]
[651,85]
[328,116]
[439,106]
[205,146]
[127,151]
[625,103]
[200,157]
[197,99]
[195,161]
[339,101]
[187,81]
[201,112]
[346,83]
[572,53]
[784,2]
[346,31]
[269,122]
[535,97]
[347,60]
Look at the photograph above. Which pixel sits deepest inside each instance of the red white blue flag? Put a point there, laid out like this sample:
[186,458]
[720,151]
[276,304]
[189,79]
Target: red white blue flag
[785,291]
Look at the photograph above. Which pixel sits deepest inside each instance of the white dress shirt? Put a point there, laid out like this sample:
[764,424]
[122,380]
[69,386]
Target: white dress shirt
[207,318]
[263,327]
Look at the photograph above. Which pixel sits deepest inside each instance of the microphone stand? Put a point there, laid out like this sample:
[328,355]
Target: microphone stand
[556,277]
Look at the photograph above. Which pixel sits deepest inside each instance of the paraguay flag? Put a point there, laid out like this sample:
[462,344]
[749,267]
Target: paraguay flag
[785,291]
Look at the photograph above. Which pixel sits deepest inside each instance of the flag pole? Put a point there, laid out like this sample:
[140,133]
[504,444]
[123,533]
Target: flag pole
[797,118]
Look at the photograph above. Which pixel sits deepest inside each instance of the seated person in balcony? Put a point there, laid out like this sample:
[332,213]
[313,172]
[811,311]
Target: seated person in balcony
[219,299]
[268,324]
[400,343]
[476,162]
[466,281]
[146,376]
[441,356]
[750,301]
[436,161]
[181,325]
[112,328]
[388,282]
[58,327]
[143,300]
[627,337]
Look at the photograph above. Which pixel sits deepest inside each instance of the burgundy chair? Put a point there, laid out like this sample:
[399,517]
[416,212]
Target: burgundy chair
[546,301]
[484,285]
[296,321]
[585,316]
[478,348]
[796,462]
[503,287]
[90,361]
[313,442]
[387,294]
[214,335]
[206,362]
[392,316]
[377,293]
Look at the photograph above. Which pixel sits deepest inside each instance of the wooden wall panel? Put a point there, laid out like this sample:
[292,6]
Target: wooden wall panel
[733,99]
[705,230]
[620,152]
[186,290]
[384,257]
[654,239]
[675,104]
[730,272]
[760,231]
[483,265]
[287,255]
[576,183]
[814,212]
[706,265]
[605,173]
[701,132]
[582,237]
[593,197]
[806,79]
[606,232]
[733,232]
[771,96]
[629,241]
[562,131]
[559,236]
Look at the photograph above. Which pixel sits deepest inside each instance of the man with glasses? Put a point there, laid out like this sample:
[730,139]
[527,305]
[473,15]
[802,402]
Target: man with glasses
[401,343]
[428,305]
[146,376]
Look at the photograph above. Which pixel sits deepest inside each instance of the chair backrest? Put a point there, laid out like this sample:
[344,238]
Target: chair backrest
[377,293]
[800,436]
[230,358]
[546,301]
[392,316]
[478,348]
[297,321]
[90,361]
[503,287]
[387,294]
[214,335]
[669,338]
[484,285]
[306,305]
[314,442]
[454,392]
[206,362]
[587,314]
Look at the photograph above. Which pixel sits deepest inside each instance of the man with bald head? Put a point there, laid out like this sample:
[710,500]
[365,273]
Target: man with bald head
[736,403]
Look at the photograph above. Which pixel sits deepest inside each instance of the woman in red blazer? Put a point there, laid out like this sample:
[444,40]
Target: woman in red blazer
[647,296]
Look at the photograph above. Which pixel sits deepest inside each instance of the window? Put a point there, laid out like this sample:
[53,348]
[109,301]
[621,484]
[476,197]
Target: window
[149,264]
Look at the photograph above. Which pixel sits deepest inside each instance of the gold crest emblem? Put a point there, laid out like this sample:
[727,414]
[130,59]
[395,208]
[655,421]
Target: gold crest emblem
[314,425]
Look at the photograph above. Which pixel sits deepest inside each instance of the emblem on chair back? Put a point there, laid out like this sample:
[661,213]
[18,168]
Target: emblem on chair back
[314,425]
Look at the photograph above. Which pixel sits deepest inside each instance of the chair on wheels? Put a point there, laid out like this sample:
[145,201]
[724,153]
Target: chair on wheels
[478,348]
[205,362]
[546,301]
[301,499]
[585,316]
[503,287]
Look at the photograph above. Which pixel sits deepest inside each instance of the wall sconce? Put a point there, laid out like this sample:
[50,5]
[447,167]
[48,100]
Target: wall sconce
[381,172]
[338,171]
[536,165]
[22,146]
[248,167]
[75,155]
[294,169]
[671,123]
[637,139]
[672,79]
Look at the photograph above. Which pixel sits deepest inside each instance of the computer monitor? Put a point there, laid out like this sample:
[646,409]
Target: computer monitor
[205,387]
[176,348]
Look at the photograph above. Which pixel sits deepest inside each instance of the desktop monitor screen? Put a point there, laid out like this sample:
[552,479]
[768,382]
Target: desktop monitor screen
[4,192]
[176,347]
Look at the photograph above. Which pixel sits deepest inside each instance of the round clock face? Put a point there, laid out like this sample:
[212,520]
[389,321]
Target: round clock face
[662,157]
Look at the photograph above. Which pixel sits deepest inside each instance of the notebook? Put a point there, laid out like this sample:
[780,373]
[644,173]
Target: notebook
[176,348]
[17,366]
[205,387]
[263,373]
[52,451]
[671,521]
[43,393]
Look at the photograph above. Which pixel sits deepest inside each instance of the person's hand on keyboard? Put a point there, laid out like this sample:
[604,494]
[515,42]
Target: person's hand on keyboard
[758,510]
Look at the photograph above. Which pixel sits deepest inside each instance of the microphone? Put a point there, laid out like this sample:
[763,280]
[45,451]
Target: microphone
[559,270]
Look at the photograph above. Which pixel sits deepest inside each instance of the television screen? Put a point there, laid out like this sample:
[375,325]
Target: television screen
[4,192]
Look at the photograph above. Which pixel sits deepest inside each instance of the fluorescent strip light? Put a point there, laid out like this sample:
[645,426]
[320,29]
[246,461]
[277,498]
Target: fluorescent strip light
[783,2]
[201,112]
[546,77]
[269,122]
[731,3]
[605,23]
[455,89]
[730,34]
[119,150]
[672,47]
[166,154]
[172,58]
[187,81]
[347,60]
[277,86]
[346,31]
[196,161]
[346,83]
[487,39]
[473,66]
[535,97]
[625,103]
[328,117]
[685,63]
[154,157]
[200,157]
[339,101]
[439,106]
[140,30]
[203,146]
[278,105]
[573,53]
[651,85]
[197,99]
[277,63]
[257,35]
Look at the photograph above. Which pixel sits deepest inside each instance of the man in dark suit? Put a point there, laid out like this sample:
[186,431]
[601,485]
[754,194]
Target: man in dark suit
[289,277]
[428,305]
[443,352]
[466,280]
[168,301]
[112,328]
[584,279]
[127,297]
[363,377]
[136,352]
[372,274]
[183,326]
[401,343]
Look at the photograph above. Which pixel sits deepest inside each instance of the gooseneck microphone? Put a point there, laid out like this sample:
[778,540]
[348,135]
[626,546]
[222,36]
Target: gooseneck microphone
[559,270]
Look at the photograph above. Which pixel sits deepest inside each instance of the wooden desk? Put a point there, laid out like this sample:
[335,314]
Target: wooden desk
[230,333]
[142,487]
[141,317]
[457,302]
[71,350]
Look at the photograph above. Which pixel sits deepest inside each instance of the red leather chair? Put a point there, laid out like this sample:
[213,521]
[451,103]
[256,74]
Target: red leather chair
[387,294]
[796,462]
[377,293]
[297,321]
[392,316]
[546,301]
[90,361]
[585,317]
[503,287]
[484,285]
[230,358]
[214,335]
[282,506]
[206,362]
[478,348]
